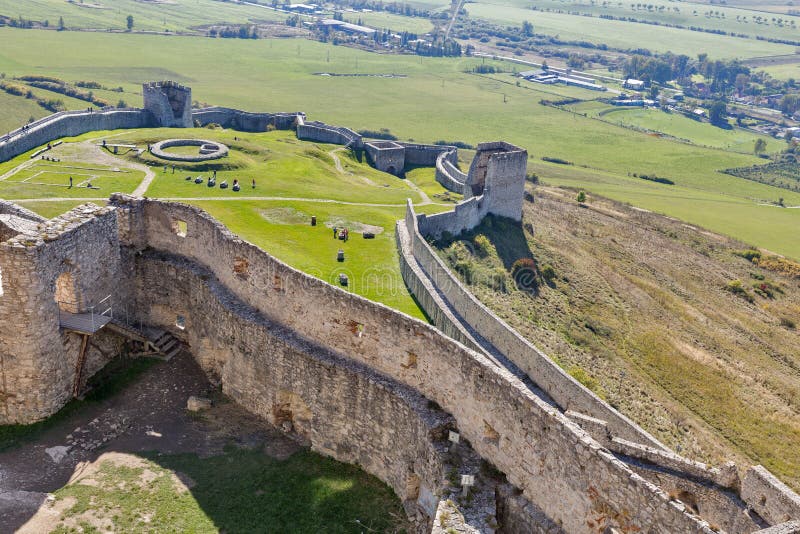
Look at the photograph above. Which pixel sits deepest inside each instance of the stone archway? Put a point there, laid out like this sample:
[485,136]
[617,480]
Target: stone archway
[66,294]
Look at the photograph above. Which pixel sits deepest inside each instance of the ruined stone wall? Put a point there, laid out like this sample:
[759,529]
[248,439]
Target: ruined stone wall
[341,408]
[505,184]
[426,155]
[70,124]
[245,121]
[386,156]
[78,254]
[769,497]
[448,175]
[323,133]
[565,390]
[169,102]
[464,216]
[557,465]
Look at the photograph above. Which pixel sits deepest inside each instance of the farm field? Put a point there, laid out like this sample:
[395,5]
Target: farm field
[173,16]
[687,14]
[397,23]
[677,125]
[255,76]
[625,35]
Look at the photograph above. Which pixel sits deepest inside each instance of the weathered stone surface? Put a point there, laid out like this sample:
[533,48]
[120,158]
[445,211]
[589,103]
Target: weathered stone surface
[197,404]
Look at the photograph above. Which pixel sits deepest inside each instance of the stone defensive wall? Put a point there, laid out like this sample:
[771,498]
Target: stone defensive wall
[324,133]
[245,121]
[567,392]
[70,124]
[42,272]
[318,328]
[447,174]
[208,150]
[715,494]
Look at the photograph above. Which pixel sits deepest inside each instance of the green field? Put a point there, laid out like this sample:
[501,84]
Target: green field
[294,180]
[627,35]
[256,75]
[173,16]
[677,125]
[44,179]
[687,14]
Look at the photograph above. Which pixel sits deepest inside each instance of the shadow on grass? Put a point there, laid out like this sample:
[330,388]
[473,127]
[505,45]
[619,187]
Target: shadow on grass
[247,491]
[112,379]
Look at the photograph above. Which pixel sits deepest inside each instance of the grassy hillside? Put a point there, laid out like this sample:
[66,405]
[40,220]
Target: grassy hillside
[642,309]
[256,75]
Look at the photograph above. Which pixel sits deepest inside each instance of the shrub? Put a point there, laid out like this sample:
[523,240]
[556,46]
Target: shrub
[465,269]
[497,280]
[736,287]
[748,254]
[383,133]
[581,197]
[557,160]
[548,273]
[482,245]
[587,380]
[786,322]
[524,273]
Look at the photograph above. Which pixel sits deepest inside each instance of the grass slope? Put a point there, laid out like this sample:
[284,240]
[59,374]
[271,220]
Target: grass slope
[278,75]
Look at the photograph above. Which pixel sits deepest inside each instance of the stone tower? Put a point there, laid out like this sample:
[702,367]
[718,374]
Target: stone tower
[169,102]
[498,173]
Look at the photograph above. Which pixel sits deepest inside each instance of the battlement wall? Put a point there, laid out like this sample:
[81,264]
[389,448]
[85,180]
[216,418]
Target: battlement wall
[559,467]
[341,408]
[70,124]
[448,175]
[565,390]
[245,121]
[324,133]
[39,270]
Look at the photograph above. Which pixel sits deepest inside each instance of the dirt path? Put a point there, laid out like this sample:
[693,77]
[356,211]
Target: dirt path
[148,415]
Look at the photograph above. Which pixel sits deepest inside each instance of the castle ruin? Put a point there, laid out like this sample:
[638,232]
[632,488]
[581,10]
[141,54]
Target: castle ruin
[354,379]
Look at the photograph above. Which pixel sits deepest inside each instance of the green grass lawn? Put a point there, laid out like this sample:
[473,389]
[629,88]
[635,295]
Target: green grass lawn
[46,179]
[239,491]
[396,23]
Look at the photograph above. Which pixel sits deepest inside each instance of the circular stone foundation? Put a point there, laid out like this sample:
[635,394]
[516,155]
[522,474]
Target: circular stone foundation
[208,150]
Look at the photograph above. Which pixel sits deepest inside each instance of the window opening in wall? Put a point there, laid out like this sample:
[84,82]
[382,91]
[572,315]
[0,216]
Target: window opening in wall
[241,267]
[180,322]
[179,227]
[66,297]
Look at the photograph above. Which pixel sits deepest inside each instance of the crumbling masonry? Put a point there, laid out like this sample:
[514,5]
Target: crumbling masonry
[352,378]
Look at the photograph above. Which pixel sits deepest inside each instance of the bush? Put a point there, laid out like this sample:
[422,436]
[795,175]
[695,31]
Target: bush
[548,273]
[524,273]
[465,269]
[497,280]
[736,287]
[581,197]
[482,245]
[557,160]
[787,323]
[383,133]
[749,254]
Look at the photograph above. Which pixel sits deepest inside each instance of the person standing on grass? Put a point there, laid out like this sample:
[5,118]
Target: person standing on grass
[254,183]
[70,182]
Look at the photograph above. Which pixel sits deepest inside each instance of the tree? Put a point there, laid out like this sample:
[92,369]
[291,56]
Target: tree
[717,112]
[760,146]
[527,29]
[790,104]
[581,198]
[122,104]
[61,24]
[130,22]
